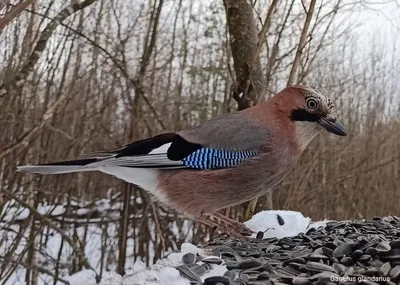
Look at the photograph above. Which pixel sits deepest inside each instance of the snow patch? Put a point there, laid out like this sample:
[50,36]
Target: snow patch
[171,276]
[279,223]
[189,248]
[111,278]
[217,270]
[84,277]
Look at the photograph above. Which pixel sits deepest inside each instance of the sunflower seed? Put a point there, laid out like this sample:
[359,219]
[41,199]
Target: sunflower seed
[365,258]
[214,280]
[327,251]
[281,222]
[231,265]
[372,271]
[324,277]
[357,254]
[371,251]
[263,276]
[383,247]
[318,267]
[395,244]
[212,260]
[188,273]
[189,258]
[260,235]
[301,281]
[232,275]
[250,263]
[198,269]
[394,273]
[347,261]
[343,250]
[339,268]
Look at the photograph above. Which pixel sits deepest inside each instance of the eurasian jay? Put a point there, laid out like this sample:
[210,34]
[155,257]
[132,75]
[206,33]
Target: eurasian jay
[222,162]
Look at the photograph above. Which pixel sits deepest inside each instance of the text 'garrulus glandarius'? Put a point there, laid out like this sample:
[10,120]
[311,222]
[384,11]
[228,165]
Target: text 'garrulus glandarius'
[223,162]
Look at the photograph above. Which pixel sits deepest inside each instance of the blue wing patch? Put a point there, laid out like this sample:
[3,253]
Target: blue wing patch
[208,158]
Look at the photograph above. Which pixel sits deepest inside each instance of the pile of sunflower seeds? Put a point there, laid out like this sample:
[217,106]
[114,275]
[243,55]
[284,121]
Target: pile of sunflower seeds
[354,252]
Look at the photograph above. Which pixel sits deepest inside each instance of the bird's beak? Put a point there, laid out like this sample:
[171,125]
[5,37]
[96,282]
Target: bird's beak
[333,126]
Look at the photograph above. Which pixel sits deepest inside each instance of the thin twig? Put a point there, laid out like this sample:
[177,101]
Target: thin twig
[302,42]
[35,268]
[15,11]
[49,223]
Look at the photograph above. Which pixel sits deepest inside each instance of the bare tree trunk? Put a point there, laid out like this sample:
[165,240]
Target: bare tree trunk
[249,82]
[302,42]
[246,46]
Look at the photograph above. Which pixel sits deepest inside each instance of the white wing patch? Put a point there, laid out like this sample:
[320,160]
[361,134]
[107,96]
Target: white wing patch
[157,157]
[162,149]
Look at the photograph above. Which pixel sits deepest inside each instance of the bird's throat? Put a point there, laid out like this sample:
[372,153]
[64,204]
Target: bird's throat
[305,132]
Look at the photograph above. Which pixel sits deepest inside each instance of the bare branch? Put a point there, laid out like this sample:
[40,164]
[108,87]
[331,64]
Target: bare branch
[50,223]
[13,13]
[41,43]
[302,42]
[26,138]
[34,268]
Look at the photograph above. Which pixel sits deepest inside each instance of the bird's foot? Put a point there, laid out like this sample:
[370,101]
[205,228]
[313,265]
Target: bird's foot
[235,225]
[226,225]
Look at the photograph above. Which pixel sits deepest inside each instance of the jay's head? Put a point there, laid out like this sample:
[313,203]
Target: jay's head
[310,111]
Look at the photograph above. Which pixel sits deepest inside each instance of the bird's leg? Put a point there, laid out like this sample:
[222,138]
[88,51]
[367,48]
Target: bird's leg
[204,219]
[225,224]
[237,226]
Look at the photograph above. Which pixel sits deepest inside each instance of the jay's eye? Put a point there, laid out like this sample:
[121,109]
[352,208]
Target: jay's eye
[311,103]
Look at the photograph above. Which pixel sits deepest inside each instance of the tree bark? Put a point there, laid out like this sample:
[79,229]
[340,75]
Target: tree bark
[246,46]
[249,81]
[293,77]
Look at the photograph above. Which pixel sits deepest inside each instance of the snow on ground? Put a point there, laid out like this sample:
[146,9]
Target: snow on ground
[87,277]
[161,273]
[273,223]
[13,211]
[100,240]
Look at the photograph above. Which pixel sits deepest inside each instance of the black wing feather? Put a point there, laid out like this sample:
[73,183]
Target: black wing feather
[179,149]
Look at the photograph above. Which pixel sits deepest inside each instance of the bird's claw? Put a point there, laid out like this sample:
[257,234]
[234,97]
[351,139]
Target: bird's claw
[226,225]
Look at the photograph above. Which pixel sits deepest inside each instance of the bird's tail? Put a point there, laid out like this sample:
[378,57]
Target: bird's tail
[61,167]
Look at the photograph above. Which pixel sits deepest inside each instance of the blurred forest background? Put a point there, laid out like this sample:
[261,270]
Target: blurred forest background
[77,77]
